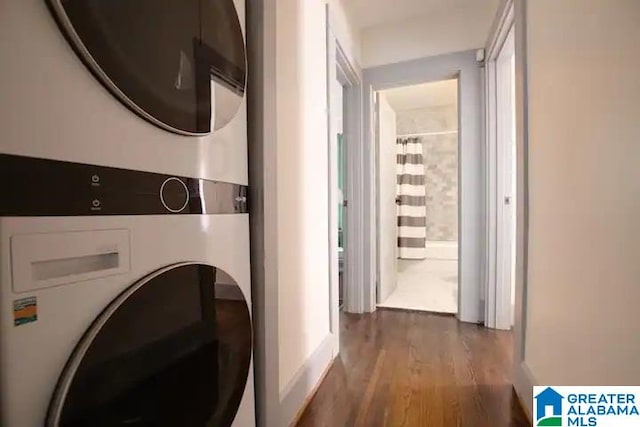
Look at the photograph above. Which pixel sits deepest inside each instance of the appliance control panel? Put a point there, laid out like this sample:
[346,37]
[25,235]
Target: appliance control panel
[40,187]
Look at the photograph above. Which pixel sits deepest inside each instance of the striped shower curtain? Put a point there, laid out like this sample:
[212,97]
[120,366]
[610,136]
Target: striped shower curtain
[412,210]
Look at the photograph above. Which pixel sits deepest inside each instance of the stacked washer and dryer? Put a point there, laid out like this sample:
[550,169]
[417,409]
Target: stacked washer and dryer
[124,236]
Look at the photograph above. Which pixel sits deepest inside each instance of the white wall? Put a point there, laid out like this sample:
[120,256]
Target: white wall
[584,192]
[452,28]
[303,289]
[303,174]
[345,32]
[307,334]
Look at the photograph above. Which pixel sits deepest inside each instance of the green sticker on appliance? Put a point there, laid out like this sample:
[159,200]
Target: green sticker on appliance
[25,310]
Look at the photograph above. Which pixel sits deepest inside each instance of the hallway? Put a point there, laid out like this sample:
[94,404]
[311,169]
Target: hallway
[410,369]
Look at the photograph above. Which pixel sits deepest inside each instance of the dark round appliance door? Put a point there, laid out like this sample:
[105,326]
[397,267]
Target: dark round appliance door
[178,63]
[174,349]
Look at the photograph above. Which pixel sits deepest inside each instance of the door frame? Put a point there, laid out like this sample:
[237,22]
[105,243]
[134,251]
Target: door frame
[498,310]
[340,67]
[514,12]
[467,69]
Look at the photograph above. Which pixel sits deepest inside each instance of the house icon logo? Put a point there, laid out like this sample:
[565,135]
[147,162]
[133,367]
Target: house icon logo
[548,398]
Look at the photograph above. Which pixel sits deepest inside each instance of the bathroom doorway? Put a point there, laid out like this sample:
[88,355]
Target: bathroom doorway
[418,212]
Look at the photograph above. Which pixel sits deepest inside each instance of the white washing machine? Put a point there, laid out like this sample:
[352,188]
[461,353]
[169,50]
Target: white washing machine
[136,316]
[123,225]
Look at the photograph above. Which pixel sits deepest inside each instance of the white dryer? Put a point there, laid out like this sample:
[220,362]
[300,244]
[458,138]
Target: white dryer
[149,85]
[124,298]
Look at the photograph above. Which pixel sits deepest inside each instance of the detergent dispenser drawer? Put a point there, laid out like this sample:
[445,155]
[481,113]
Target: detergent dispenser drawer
[44,260]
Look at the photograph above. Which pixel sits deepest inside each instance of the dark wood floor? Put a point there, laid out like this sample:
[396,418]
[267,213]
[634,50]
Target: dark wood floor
[410,369]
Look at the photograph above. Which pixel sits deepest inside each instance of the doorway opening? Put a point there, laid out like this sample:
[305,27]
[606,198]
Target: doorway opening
[346,248]
[418,212]
[339,118]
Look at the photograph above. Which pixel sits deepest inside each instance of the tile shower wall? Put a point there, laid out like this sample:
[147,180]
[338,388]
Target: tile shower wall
[440,164]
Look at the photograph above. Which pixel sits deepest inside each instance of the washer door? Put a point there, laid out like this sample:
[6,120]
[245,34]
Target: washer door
[178,63]
[172,350]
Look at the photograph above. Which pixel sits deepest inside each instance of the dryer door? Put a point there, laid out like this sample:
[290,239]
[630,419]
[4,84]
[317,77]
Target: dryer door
[178,63]
[172,350]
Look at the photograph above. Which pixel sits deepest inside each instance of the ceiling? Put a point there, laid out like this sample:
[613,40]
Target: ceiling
[370,13]
[435,94]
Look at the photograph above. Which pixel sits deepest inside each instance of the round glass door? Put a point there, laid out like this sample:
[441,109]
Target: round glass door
[172,350]
[178,63]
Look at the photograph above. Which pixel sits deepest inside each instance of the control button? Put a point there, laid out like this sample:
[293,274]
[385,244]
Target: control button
[95,179]
[174,195]
[96,203]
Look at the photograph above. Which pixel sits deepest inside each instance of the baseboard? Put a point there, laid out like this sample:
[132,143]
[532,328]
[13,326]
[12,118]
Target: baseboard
[523,386]
[298,392]
[311,395]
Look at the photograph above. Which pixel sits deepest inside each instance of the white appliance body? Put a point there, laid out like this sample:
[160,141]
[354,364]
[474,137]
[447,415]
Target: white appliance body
[53,107]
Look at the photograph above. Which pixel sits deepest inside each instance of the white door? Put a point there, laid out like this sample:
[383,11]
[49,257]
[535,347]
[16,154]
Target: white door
[387,208]
[505,182]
